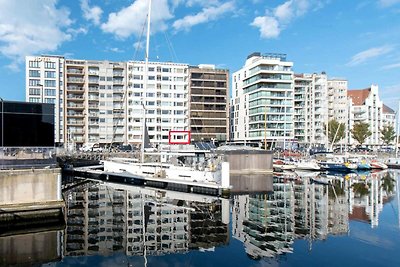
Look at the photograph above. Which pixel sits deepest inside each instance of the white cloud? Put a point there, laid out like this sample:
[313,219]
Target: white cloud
[91,13]
[130,20]
[365,55]
[388,3]
[279,17]
[29,28]
[391,66]
[207,14]
[269,26]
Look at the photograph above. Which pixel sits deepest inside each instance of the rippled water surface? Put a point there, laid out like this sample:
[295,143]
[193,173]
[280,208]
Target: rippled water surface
[308,219]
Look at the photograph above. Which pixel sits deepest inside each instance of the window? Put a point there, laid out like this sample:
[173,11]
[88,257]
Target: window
[34,73]
[49,74]
[34,99]
[34,82]
[49,83]
[50,92]
[102,78]
[34,91]
[50,65]
[33,64]
[50,100]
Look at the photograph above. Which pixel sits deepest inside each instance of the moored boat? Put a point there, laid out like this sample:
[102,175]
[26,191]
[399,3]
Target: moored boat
[375,164]
[308,165]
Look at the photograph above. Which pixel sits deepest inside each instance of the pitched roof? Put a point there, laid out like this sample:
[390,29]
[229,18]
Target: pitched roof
[358,96]
[386,109]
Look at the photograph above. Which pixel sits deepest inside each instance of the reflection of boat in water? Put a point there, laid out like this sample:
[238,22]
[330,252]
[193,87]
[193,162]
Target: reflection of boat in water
[307,174]
[393,163]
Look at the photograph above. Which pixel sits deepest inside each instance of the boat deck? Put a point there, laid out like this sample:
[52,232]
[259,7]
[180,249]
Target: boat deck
[96,172]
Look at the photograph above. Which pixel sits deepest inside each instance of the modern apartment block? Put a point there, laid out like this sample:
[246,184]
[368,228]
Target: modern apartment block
[338,105]
[44,83]
[164,100]
[209,102]
[88,97]
[310,109]
[263,100]
[366,107]
[95,103]
[388,116]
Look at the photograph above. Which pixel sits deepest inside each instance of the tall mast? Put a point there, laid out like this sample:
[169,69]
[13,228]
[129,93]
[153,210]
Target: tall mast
[146,69]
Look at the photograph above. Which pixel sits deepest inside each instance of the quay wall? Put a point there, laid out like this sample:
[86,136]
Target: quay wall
[30,197]
[30,186]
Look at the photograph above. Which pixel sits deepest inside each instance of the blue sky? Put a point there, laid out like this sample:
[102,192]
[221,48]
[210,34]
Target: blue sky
[356,40]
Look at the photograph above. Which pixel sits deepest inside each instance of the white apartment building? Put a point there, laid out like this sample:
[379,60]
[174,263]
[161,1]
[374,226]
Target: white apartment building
[88,97]
[338,105]
[388,117]
[366,107]
[165,100]
[310,109]
[262,100]
[44,83]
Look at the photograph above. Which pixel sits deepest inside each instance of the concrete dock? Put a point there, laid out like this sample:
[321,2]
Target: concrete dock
[30,195]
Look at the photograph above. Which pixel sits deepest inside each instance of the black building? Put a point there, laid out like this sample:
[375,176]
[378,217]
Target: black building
[25,124]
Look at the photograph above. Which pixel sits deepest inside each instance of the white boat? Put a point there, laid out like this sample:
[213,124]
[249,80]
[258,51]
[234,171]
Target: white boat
[282,165]
[393,163]
[376,164]
[211,173]
[308,165]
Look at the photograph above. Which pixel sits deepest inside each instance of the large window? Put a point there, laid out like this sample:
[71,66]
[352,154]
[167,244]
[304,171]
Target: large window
[49,74]
[49,83]
[34,91]
[50,65]
[34,82]
[50,92]
[34,73]
[33,64]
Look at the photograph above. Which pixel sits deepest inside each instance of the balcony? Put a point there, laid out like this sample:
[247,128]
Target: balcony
[118,74]
[75,80]
[75,114]
[75,97]
[74,106]
[118,82]
[75,122]
[75,71]
[93,81]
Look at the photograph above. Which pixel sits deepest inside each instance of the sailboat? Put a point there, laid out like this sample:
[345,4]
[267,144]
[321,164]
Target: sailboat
[209,171]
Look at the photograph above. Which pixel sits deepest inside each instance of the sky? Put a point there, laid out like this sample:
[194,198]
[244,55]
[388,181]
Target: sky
[355,40]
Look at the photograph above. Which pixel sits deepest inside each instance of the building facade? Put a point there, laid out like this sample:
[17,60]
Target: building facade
[44,83]
[106,102]
[164,100]
[262,101]
[339,106]
[310,109]
[366,107]
[209,103]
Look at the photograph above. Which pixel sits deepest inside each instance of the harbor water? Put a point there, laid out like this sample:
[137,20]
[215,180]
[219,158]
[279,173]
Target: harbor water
[303,219]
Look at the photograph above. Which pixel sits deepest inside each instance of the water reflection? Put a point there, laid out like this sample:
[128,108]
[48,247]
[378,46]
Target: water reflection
[103,219]
[310,207]
[137,223]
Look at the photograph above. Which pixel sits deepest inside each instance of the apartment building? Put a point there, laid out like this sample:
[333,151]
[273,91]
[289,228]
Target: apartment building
[165,100]
[388,117]
[88,97]
[310,109]
[338,105]
[44,83]
[262,100]
[366,107]
[209,102]
[95,102]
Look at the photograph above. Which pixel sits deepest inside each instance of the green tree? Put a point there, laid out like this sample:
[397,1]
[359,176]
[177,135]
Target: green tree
[333,127]
[388,183]
[360,132]
[388,134]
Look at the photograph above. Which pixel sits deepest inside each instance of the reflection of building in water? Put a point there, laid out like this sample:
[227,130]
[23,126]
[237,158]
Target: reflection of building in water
[139,221]
[95,221]
[264,222]
[368,196]
[267,224]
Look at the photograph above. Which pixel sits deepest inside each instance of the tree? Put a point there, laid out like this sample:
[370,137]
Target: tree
[360,132]
[388,134]
[333,127]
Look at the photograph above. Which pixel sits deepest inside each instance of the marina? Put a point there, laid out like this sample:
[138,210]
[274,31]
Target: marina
[299,217]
